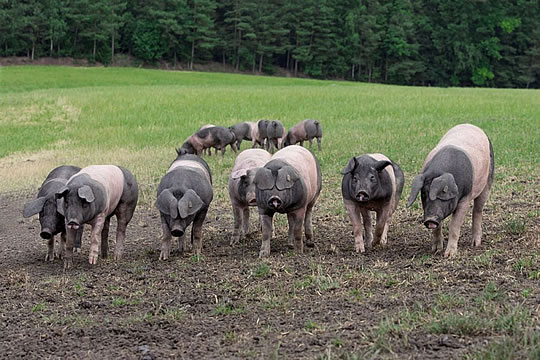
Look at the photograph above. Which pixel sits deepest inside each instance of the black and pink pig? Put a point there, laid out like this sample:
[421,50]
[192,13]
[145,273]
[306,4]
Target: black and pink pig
[290,184]
[371,182]
[52,222]
[92,196]
[457,171]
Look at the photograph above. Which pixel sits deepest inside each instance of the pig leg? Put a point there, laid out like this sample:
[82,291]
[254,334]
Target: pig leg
[233,147]
[310,143]
[196,231]
[478,207]
[97,228]
[61,246]
[308,227]
[454,228]
[437,240]
[105,238]
[245,221]
[368,231]
[302,143]
[357,226]
[319,140]
[381,229]
[165,241]
[68,249]
[237,212]
[78,239]
[297,218]
[182,246]
[266,222]
[290,220]
[50,249]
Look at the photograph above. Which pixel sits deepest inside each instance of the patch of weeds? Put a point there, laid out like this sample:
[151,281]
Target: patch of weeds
[485,259]
[261,271]
[272,302]
[466,325]
[512,320]
[526,293]
[317,280]
[523,345]
[196,258]
[311,325]
[490,293]
[448,302]
[230,337]
[390,281]
[526,266]
[39,307]
[356,295]
[79,288]
[227,309]
[173,314]
[119,302]
[304,283]
[424,259]
[515,226]
[337,342]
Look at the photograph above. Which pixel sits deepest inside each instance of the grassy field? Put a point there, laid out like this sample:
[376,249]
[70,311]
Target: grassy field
[135,118]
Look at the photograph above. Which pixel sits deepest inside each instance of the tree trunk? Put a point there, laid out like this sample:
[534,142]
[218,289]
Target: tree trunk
[254,62]
[175,59]
[260,63]
[94,51]
[192,54]
[295,67]
[369,73]
[33,48]
[112,47]
[352,72]
[51,48]
[223,57]
[238,50]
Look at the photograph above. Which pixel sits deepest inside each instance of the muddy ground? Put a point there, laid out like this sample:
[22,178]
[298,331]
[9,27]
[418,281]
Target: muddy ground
[330,302]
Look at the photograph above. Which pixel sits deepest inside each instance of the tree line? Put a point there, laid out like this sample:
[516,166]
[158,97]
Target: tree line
[416,42]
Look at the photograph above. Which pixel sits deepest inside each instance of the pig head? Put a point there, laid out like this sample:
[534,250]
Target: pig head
[178,209]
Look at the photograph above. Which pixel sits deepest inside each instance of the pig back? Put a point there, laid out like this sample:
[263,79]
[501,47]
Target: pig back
[299,130]
[251,158]
[192,164]
[112,180]
[303,161]
[475,144]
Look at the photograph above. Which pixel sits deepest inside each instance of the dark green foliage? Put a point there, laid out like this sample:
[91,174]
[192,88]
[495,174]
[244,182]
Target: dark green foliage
[416,42]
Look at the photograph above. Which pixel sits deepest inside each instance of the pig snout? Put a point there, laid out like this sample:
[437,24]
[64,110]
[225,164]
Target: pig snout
[362,196]
[73,224]
[431,223]
[275,202]
[177,231]
[251,199]
[46,233]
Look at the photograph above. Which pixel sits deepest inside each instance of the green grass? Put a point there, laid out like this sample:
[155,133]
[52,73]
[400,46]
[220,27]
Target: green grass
[135,117]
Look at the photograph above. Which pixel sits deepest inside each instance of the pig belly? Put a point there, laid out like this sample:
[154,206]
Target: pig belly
[112,179]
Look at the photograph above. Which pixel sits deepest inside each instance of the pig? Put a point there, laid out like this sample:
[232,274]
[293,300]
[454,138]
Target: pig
[290,184]
[242,187]
[457,171]
[216,136]
[92,196]
[183,197]
[275,132]
[51,221]
[259,137]
[208,150]
[305,130]
[371,182]
[244,131]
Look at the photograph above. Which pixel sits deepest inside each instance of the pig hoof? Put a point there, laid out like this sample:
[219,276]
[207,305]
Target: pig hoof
[163,256]
[49,257]
[67,264]
[310,244]
[92,259]
[360,249]
[449,253]
[264,253]
[117,257]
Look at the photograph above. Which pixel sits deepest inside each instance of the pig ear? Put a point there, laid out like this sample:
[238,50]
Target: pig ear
[62,192]
[285,179]
[33,207]
[264,179]
[167,203]
[380,165]
[443,187]
[85,192]
[416,186]
[238,174]
[60,206]
[189,204]
[350,166]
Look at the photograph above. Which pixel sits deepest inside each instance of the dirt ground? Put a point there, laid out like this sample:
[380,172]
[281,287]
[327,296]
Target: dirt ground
[327,303]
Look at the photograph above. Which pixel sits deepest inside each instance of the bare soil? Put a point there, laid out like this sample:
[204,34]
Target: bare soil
[327,303]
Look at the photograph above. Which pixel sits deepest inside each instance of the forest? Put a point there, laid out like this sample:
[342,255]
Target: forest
[480,43]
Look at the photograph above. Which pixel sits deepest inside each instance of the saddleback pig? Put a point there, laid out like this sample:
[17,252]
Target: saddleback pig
[275,132]
[457,171]
[213,136]
[261,133]
[183,197]
[92,196]
[244,131]
[305,130]
[290,184]
[242,187]
[371,182]
[52,222]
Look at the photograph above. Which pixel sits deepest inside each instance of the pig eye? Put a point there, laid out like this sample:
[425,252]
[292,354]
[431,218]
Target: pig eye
[372,178]
[85,204]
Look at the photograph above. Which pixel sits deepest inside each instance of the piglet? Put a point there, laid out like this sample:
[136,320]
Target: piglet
[290,184]
[305,130]
[275,132]
[51,221]
[371,182]
[92,196]
[244,131]
[183,197]
[242,187]
[457,171]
